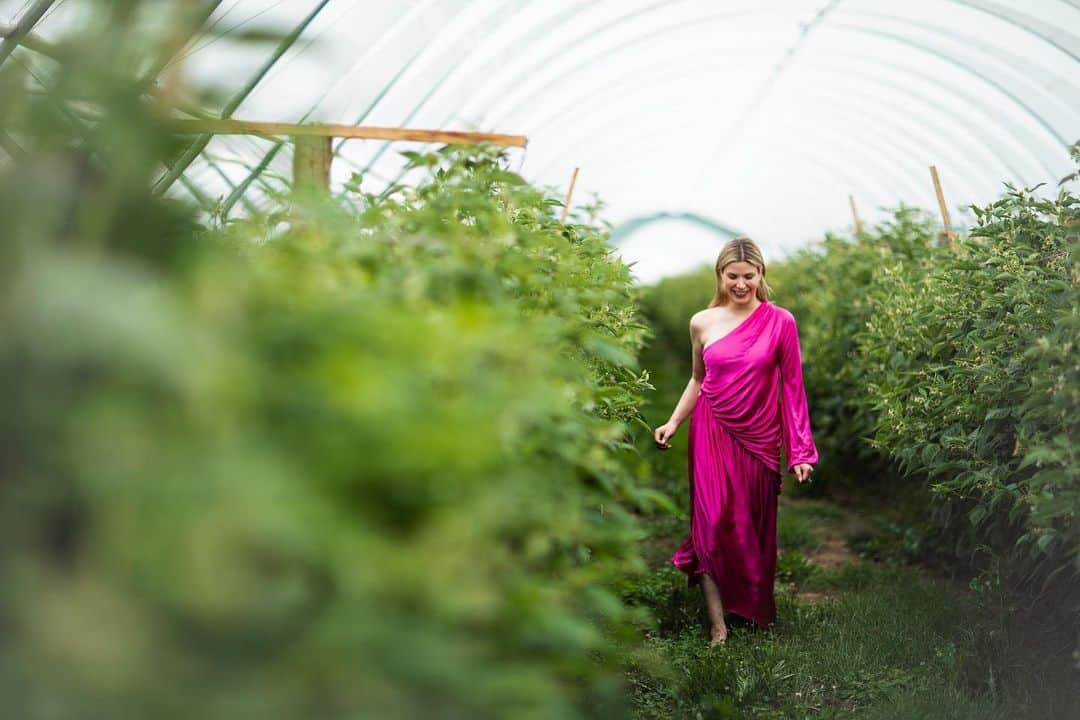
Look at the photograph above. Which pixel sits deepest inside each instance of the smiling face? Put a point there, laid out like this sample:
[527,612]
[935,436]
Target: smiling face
[740,281]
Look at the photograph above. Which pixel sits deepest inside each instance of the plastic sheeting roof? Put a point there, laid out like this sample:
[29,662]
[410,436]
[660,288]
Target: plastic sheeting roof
[761,116]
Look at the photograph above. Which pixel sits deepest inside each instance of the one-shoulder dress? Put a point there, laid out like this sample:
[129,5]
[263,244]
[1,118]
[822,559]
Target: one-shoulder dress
[752,399]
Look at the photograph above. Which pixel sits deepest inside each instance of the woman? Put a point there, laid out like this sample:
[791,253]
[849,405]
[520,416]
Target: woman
[745,396]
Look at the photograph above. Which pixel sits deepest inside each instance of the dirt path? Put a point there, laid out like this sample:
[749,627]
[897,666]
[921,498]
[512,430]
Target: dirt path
[832,549]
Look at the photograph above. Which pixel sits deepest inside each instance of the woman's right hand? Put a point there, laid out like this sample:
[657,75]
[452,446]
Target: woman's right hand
[664,433]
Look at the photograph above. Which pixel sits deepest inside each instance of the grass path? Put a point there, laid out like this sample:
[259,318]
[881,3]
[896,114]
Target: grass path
[854,638]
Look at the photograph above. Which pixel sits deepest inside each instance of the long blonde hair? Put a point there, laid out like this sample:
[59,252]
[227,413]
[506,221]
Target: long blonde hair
[740,249]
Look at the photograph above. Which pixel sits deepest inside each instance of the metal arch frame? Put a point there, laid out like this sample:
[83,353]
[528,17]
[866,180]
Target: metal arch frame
[625,230]
[713,17]
[1006,163]
[269,156]
[260,167]
[570,12]
[1013,61]
[337,151]
[916,187]
[641,11]
[647,9]
[919,185]
[1028,24]
[817,170]
[967,68]
[766,88]
[197,145]
[572,43]
[636,40]
[567,110]
[959,150]
[1007,129]
[435,88]
[969,159]
[655,33]
[625,18]
[562,114]
[834,140]
[395,78]
[900,69]
[910,179]
[824,164]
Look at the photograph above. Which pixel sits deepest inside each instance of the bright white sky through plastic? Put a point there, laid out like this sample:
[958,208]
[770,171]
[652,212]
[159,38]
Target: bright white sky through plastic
[760,116]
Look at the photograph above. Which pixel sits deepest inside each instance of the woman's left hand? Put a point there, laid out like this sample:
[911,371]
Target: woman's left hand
[802,472]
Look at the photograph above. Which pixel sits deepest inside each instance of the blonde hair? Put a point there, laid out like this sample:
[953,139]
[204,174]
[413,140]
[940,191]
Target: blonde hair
[740,249]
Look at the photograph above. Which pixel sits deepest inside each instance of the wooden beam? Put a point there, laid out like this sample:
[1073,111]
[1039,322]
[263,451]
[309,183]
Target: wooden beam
[243,127]
[311,162]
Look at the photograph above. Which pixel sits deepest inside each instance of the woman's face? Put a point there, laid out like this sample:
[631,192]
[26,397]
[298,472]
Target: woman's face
[740,281]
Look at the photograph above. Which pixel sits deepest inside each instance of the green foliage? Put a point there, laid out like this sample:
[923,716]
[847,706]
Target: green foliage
[365,456]
[826,289]
[971,374]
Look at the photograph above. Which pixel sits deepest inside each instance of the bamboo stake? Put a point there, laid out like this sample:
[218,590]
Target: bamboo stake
[943,207]
[569,194]
[855,215]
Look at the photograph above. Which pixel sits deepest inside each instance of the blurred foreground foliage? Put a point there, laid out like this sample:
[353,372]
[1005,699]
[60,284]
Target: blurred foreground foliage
[367,456]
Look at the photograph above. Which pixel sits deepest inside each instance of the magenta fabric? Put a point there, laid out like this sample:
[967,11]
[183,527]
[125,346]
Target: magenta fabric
[752,400]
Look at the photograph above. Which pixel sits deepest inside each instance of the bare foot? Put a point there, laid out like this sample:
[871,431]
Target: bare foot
[719,635]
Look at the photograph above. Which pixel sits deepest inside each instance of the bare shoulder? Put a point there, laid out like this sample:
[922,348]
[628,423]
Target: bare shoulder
[697,320]
[701,318]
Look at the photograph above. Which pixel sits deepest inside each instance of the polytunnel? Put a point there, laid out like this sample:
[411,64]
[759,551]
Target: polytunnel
[689,119]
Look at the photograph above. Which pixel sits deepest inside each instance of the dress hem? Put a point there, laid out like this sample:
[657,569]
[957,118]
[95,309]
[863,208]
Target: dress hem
[693,577]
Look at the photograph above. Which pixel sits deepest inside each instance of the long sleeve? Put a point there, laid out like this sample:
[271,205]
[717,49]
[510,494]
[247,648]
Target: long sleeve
[795,417]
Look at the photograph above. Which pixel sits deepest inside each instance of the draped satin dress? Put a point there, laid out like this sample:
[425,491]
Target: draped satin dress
[752,400]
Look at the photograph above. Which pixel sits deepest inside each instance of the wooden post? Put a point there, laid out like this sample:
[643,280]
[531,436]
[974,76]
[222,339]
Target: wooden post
[855,215]
[569,194]
[311,162]
[944,208]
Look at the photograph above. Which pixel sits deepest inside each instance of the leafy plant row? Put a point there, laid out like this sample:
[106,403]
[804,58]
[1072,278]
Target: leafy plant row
[960,369]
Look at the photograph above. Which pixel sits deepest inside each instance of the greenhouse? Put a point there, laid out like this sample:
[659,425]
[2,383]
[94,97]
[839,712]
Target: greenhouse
[342,340]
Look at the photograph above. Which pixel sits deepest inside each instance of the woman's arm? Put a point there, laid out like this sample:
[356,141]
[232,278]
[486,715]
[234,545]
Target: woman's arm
[689,396]
[795,416]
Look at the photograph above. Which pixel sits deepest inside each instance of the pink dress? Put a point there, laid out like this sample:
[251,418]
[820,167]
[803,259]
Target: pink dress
[752,398]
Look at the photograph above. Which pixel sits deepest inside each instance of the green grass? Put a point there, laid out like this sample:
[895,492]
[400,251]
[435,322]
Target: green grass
[885,642]
[796,531]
